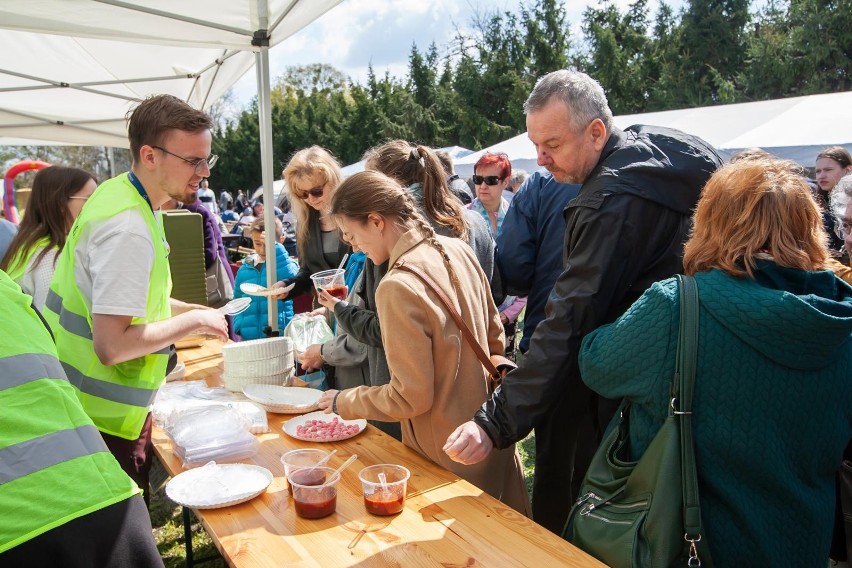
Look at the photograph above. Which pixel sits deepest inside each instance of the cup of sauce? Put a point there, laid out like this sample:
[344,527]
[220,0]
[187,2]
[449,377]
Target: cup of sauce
[384,488]
[314,491]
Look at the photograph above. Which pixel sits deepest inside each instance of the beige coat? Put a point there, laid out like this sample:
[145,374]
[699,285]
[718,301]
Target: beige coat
[437,383]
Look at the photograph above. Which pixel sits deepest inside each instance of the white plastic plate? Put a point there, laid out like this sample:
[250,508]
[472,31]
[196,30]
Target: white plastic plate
[235,306]
[253,289]
[283,400]
[291,425]
[218,485]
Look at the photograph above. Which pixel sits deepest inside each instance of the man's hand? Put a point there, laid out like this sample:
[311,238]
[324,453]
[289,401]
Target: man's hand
[213,323]
[468,444]
[310,358]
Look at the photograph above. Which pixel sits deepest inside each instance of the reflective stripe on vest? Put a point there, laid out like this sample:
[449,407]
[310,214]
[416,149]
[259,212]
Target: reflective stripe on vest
[20,369]
[70,322]
[116,397]
[40,453]
[54,464]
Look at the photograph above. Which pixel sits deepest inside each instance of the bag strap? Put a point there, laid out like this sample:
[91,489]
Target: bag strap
[687,348]
[466,332]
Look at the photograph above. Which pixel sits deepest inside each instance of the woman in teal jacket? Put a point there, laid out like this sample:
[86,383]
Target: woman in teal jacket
[250,323]
[772,412]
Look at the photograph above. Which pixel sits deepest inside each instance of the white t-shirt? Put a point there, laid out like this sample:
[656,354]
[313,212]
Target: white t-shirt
[37,276]
[113,262]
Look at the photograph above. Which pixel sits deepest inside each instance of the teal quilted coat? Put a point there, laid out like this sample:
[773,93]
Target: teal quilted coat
[772,409]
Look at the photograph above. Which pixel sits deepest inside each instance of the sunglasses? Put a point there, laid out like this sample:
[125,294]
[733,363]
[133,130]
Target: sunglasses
[487,180]
[315,192]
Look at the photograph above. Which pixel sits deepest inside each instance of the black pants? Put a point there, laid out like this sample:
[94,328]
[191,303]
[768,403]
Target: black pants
[564,446]
[134,456]
[117,536]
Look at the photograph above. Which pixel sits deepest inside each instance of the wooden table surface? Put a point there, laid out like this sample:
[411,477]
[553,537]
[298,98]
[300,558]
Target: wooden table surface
[447,522]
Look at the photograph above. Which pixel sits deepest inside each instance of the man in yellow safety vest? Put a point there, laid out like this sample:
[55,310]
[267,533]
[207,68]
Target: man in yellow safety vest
[108,304]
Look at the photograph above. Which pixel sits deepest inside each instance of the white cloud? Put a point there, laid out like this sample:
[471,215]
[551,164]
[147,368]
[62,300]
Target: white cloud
[357,33]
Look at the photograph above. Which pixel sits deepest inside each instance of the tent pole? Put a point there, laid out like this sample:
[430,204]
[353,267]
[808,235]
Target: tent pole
[264,115]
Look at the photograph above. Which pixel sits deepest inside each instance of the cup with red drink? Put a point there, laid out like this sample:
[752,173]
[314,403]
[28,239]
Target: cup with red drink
[332,281]
[314,491]
[384,488]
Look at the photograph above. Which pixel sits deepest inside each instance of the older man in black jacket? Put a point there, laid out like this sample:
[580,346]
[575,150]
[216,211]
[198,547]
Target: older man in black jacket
[624,231]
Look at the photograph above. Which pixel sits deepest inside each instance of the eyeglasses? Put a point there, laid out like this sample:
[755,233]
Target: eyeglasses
[200,164]
[487,180]
[843,227]
[315,192]
[79,197]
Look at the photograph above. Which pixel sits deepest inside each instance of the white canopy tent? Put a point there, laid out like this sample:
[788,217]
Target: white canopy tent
[796,128]
[71,69]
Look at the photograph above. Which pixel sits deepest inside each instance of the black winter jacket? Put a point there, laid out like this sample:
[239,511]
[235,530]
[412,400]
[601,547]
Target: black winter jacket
[624,231]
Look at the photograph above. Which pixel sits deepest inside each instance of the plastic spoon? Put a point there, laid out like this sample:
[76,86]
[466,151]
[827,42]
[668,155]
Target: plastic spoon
[342,262]
[345,464]
[323,461]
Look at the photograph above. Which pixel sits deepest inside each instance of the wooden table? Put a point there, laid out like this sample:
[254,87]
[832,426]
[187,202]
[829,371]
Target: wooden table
[447,522]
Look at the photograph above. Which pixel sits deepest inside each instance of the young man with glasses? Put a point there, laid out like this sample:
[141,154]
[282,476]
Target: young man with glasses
[108,304]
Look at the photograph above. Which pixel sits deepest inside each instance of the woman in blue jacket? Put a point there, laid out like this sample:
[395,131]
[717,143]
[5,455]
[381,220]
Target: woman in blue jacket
[250,323]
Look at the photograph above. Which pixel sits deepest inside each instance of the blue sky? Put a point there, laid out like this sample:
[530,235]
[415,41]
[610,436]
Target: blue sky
[357,32]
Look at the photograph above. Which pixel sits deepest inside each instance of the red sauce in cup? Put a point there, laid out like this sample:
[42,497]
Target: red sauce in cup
[308,477]
[384,508]
[322,507]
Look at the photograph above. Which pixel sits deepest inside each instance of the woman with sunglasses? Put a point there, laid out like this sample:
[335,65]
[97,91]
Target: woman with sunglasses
[492,174]
[57,197]
[312,176]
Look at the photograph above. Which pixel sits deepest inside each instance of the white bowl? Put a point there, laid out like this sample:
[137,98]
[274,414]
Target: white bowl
[283,400]
[237,383]
[272,366]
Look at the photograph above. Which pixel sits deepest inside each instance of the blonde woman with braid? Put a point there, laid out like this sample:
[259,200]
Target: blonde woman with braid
[436,380]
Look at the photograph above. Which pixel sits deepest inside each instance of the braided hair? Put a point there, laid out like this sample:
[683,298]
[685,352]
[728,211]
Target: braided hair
[373,192]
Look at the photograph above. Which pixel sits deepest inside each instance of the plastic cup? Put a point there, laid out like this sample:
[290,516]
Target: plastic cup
[332,281]
[387,499]
[299,459]
[314,491]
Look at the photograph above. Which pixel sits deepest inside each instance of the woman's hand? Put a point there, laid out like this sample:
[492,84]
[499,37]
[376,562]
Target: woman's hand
[283,294]
[311,358]
[326,400]
[327,300]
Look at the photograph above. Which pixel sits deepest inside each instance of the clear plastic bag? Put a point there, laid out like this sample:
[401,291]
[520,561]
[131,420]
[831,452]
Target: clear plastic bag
[217,433]
[307,330]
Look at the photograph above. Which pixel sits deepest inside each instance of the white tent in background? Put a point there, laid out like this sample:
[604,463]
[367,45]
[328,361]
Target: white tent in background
[455,152]
[519,149]
[796,128]
[71,69]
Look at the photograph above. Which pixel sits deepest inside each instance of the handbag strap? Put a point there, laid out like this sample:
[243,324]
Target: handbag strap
[687,348]
[466,332]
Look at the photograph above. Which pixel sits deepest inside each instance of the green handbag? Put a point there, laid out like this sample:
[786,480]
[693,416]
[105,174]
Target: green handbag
[646,513]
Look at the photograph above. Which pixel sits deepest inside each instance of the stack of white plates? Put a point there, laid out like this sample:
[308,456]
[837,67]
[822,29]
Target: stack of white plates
[259,361]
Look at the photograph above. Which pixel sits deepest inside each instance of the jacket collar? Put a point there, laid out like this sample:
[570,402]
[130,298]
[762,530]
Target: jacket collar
[406,242]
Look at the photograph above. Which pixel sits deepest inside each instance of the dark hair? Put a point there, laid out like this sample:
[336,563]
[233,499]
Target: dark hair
[47,214]
[409,164]
[150,122]
[837,153]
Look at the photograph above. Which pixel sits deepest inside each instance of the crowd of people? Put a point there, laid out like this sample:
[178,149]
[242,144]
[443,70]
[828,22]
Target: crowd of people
[584,254]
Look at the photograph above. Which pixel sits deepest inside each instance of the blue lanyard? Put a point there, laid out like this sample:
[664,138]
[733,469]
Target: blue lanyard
[138,185]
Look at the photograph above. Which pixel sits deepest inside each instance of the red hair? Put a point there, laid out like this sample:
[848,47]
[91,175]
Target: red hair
[500,159]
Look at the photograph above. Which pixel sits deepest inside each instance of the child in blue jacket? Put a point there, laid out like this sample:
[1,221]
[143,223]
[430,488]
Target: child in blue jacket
[250,323]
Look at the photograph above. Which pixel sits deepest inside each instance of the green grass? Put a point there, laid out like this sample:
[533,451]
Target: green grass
[167,521]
